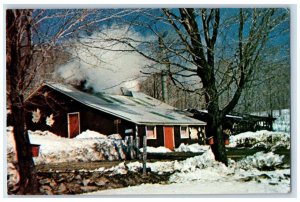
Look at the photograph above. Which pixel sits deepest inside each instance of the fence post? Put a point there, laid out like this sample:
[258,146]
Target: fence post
[144,154]
[130,147]
[136,142]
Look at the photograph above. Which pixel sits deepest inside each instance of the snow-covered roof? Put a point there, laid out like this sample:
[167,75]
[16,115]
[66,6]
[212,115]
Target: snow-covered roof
[138,108]
[228,115]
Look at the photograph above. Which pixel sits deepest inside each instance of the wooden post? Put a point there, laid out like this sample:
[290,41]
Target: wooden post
[130,147]
[136,141]
[144,154]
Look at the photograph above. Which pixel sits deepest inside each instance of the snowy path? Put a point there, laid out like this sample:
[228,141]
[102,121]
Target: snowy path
[197,187]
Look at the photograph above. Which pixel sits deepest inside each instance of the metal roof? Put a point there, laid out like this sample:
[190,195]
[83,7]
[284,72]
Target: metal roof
[138,108]
[228,115]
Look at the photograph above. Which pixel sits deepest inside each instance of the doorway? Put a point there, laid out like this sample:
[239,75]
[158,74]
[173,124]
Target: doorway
[73,124]
[169,137]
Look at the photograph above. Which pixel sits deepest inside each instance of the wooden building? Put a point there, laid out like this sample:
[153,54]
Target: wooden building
[68,111]
[238,123]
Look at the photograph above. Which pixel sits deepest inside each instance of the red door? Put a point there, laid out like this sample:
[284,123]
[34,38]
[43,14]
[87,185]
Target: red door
[169,137]
[74,124]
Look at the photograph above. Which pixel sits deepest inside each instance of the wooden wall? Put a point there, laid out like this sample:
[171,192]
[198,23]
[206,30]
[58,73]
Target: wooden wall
[159,141]
[60,105]
[53,102]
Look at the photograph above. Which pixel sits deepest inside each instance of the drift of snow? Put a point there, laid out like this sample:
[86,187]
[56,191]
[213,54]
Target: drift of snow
[195,148]
[90,134]
[261,160]
[156,150]
[115,136]
[253,174]
[86,147]
[202,175]
[263,138]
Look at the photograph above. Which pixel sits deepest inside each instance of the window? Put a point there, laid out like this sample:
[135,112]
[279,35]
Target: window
[151,132]
[184,133]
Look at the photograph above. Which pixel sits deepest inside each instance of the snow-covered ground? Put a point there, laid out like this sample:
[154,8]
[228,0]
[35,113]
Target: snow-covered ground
[203,175]
[196,187]
[197,175]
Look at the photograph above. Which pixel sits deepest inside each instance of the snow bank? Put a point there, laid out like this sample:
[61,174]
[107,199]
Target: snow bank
[156,150]
[203,167]
[91,146]
[115,136]
[86,147]
[267,139]
[90,134]
[203,170]
[261,161]
[188,165]
[195,148]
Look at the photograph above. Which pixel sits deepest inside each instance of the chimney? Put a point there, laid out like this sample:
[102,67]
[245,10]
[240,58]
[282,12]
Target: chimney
[126,92]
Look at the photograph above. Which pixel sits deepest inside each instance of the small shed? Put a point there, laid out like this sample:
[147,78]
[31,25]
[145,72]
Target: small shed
[238,123]
[68,111]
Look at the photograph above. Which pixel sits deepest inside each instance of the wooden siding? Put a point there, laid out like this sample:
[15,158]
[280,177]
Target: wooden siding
[159,141]
[53,102]
[49,101]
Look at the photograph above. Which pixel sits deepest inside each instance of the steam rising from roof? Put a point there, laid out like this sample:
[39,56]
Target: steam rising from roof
[98,61]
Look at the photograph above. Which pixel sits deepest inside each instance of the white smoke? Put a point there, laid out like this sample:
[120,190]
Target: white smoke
[99,61]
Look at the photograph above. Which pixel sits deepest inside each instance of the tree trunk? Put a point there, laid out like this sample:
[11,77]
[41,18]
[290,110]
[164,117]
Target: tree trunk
[214,128]
[16,64]
[28,183]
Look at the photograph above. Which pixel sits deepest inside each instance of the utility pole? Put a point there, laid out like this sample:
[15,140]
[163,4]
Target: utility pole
[144,155]
[164,73]
[164,87]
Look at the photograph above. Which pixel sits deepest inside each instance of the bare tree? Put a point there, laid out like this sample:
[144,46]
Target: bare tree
[269,92]
[216,50]
[178,97]
[18,60]
[31,37]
